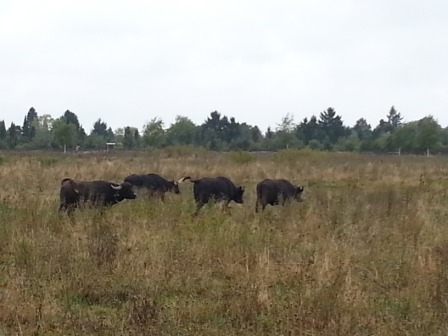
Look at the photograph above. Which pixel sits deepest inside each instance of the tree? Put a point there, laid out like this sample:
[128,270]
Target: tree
[13,134]
[394,118]
[44,136]
[2,130]
[28,128]
[403,138]
[214,131]
[99,128]
[154,134]
[284,136]
[242,139]
[71,118]
[362,129]
[182,132]
[308,130]
[64,133]
[428,132]
[128,138]
[384,126]
[331,126]
[255,134]
[100,135]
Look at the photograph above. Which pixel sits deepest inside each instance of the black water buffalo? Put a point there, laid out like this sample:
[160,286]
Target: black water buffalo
[276,192]
[97,193]
[156,184]
[215,188]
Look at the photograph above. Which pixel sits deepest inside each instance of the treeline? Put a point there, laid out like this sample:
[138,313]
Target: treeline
[218,132]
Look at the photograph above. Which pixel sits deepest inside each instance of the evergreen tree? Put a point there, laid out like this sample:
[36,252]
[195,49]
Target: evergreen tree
[71,118]
[137,138]
[128,139]
[331,126]
[28,128]
[2,130]
[99,128]
[308,130]
[394,118]
[13,134]
[214,131]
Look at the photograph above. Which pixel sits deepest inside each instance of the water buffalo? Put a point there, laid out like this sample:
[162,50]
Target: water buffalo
[215,188]
[275,192]
[156,184]
[96,193]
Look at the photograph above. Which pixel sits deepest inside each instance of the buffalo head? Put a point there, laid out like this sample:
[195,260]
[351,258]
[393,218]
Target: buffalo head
[239,195]
[123,191]
[298,196]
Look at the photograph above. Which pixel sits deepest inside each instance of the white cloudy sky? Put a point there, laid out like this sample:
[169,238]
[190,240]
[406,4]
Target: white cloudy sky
[129,61]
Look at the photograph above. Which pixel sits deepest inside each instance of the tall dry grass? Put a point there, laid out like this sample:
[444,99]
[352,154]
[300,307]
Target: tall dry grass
[366,253]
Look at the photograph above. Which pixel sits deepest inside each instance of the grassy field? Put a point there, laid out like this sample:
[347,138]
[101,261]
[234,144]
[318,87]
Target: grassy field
[366,253]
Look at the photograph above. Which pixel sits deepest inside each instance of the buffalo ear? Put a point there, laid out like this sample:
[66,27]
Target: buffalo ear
[175,183]
[299,189]
[242,189]
[116,187]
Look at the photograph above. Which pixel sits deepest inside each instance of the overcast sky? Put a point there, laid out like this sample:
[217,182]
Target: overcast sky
[127,62]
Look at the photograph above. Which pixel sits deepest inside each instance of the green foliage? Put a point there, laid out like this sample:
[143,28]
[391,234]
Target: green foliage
[130,141]
[63,133]
[29,128]
[362,129]
[348,144]
[428,133]
[221,133]
[13,136]
[2,130]
[182,132]
[331,126]
[154,133]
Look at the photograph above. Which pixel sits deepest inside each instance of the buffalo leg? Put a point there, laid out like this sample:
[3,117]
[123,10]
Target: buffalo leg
[225,206]
[199,205]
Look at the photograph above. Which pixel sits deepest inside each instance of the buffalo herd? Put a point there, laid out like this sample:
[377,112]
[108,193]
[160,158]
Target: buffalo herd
[104,193]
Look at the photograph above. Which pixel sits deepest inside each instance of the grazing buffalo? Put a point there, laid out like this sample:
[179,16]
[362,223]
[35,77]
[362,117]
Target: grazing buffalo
[215,188]
[97,193]
[276,192]
[156,184]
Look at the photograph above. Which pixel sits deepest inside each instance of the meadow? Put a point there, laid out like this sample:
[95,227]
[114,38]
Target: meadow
[366,253]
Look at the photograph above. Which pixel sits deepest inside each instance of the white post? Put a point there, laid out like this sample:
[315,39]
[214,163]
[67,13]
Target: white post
[65,148]
[399,151]
[427,151]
